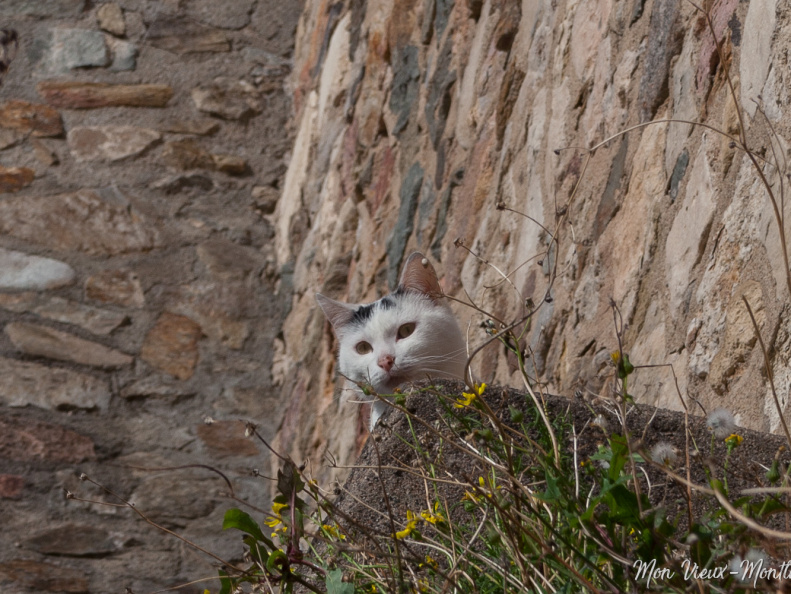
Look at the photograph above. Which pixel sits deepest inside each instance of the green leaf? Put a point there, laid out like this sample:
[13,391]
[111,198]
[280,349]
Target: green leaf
[236,518]
[336,585]
[289,481]
[225,583]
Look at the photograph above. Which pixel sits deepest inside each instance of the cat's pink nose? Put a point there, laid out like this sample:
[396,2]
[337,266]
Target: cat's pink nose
[386,362]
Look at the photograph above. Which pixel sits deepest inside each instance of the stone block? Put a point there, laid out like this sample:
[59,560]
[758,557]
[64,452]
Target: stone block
[13,179]
[225,15]
[124,55]
[9,138]
[75,48]
[110,143]
[110,18]
[20,271]
[182,36]
[176,497]
[80,221]
[11,486]
[73,540]
[188,154]
[43,341]
[409,194]
[44,153]
[92,319]
[26,440]
[36,119]
[664,42]
[228,99]
[172,345]
[42,8]
[38,576]
[227,438]
[121,287]
[87,95]
[265,198]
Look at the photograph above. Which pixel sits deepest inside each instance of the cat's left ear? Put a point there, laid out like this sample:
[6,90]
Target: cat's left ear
[419,275]
[339,314]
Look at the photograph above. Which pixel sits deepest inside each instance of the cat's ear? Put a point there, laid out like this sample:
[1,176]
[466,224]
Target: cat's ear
[419,275]
[339,314]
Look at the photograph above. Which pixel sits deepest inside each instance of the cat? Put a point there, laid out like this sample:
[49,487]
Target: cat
[406,336]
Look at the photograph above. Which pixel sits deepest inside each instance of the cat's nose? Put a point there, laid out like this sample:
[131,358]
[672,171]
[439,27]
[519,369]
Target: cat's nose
[386,362]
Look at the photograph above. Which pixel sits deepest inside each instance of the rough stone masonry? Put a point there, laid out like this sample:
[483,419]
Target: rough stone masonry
[433,125]
[143,146]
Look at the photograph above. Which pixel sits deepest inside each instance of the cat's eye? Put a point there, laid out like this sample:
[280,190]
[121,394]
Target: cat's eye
[363,348]
[406,330]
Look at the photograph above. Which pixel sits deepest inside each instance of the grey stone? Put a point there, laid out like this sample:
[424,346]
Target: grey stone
[406,84]
[177,499]
[439,95]
[664,42]
[31,384]
[109,143]
[124,55]
[678,174]
[226,15]
[42,341]
[20,271]
[73,540]
[75,48]
[608,205]
[93,319]
[41,8]
[441,14]
[410,191]
[154,387]
[228,99]
[227,260]
[442,213]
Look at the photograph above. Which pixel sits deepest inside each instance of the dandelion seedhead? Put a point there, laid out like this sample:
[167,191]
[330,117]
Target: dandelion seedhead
[721,423]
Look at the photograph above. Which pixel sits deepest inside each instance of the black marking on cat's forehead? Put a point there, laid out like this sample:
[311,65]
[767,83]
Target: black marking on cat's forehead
[364,313]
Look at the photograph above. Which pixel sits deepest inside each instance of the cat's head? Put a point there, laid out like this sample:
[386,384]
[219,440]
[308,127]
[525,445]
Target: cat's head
[406,336]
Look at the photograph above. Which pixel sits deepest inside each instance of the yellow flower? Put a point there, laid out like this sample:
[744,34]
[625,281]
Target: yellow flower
[278,507]
[272,521]
[333,531]
[734,440]
[469,397]
[430,562]
[469,497]
[482,485]
[434,517]
[411,522]
[616,357]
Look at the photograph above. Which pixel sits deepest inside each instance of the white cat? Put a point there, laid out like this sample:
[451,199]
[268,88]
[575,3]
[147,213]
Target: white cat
[406,336]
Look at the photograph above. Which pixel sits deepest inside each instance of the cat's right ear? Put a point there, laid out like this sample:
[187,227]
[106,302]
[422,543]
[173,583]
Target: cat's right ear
[339,314]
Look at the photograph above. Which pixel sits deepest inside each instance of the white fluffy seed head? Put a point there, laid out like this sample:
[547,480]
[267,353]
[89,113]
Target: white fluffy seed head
[721,422]
[664,453]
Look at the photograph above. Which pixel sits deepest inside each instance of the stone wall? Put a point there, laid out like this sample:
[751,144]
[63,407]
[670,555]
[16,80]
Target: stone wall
[143,145]
[434,125]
